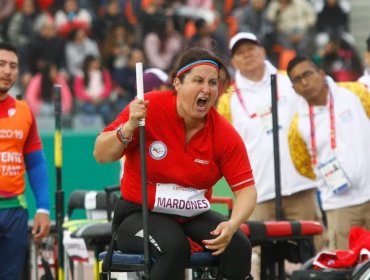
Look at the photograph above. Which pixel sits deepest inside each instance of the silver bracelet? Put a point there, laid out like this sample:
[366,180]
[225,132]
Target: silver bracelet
[121,136]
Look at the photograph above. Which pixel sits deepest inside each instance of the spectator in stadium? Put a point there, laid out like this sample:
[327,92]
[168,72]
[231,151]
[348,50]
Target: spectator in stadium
[78,47]
[293,21]
[162,45]
[150,14]
[184,117]
[21,152]
[22,27]
[39,92]
[93,88]
[72,17]
[7,8]
[125,80]
[42,5]
[253,19]
[332,20]
[45,48]
[329,138]
[111,16]
[204,37]
[194,9]
[340,60]
[239,8]
[116,47]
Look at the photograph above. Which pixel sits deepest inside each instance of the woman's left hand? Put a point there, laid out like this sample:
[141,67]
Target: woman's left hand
[243,207]
[223,232]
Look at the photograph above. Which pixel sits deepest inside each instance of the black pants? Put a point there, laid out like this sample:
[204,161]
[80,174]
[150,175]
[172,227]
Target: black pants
[169,246]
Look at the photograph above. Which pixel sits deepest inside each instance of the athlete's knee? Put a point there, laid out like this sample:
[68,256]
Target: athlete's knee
[242,246]
[175,246]
[235,262]
[170,259]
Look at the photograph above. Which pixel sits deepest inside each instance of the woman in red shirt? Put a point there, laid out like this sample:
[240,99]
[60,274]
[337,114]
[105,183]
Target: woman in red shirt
[189,147]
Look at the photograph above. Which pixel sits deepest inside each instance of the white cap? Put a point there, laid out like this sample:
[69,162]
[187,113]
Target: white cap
[243,36]
[159,73]
[154,78]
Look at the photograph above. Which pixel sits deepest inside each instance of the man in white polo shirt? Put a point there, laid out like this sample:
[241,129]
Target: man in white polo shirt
[248,106]
[329,138]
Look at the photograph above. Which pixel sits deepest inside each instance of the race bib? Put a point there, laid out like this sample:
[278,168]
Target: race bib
[178,200]
[334,176]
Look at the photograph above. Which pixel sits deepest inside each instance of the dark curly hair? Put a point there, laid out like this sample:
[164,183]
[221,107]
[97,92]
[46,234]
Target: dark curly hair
[194,54]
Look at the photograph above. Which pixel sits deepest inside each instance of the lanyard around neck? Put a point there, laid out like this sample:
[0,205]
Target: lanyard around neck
[241,100]
[333,143]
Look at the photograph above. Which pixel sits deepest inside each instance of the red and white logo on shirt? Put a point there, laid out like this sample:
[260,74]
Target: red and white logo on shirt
[158,150]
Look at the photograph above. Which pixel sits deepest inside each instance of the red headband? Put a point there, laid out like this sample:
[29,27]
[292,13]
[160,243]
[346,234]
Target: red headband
[189,66]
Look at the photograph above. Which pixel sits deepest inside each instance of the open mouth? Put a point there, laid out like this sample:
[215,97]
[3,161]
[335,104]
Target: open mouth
[202,102]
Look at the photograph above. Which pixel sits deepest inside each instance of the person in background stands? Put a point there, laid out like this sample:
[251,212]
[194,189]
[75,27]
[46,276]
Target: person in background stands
[46,47]
[78,47]
[253,19]
[39,93]
[116,47]
[72,17]
[213,149]
[293,21]
[22,26]
[109,16]
[340,60]
[206,38]
[124,79]
[20,152]
[163,44]
[6,10]
[93,87]
[332,20]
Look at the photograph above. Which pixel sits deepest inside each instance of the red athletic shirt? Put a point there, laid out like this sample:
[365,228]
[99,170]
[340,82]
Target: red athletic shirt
[215,151]
[18,136]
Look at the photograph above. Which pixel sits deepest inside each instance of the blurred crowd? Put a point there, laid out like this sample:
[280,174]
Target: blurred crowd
[91,47]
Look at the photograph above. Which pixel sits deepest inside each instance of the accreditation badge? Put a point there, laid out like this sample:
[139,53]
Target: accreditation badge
[179,200]
[265,116]
[334,176]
